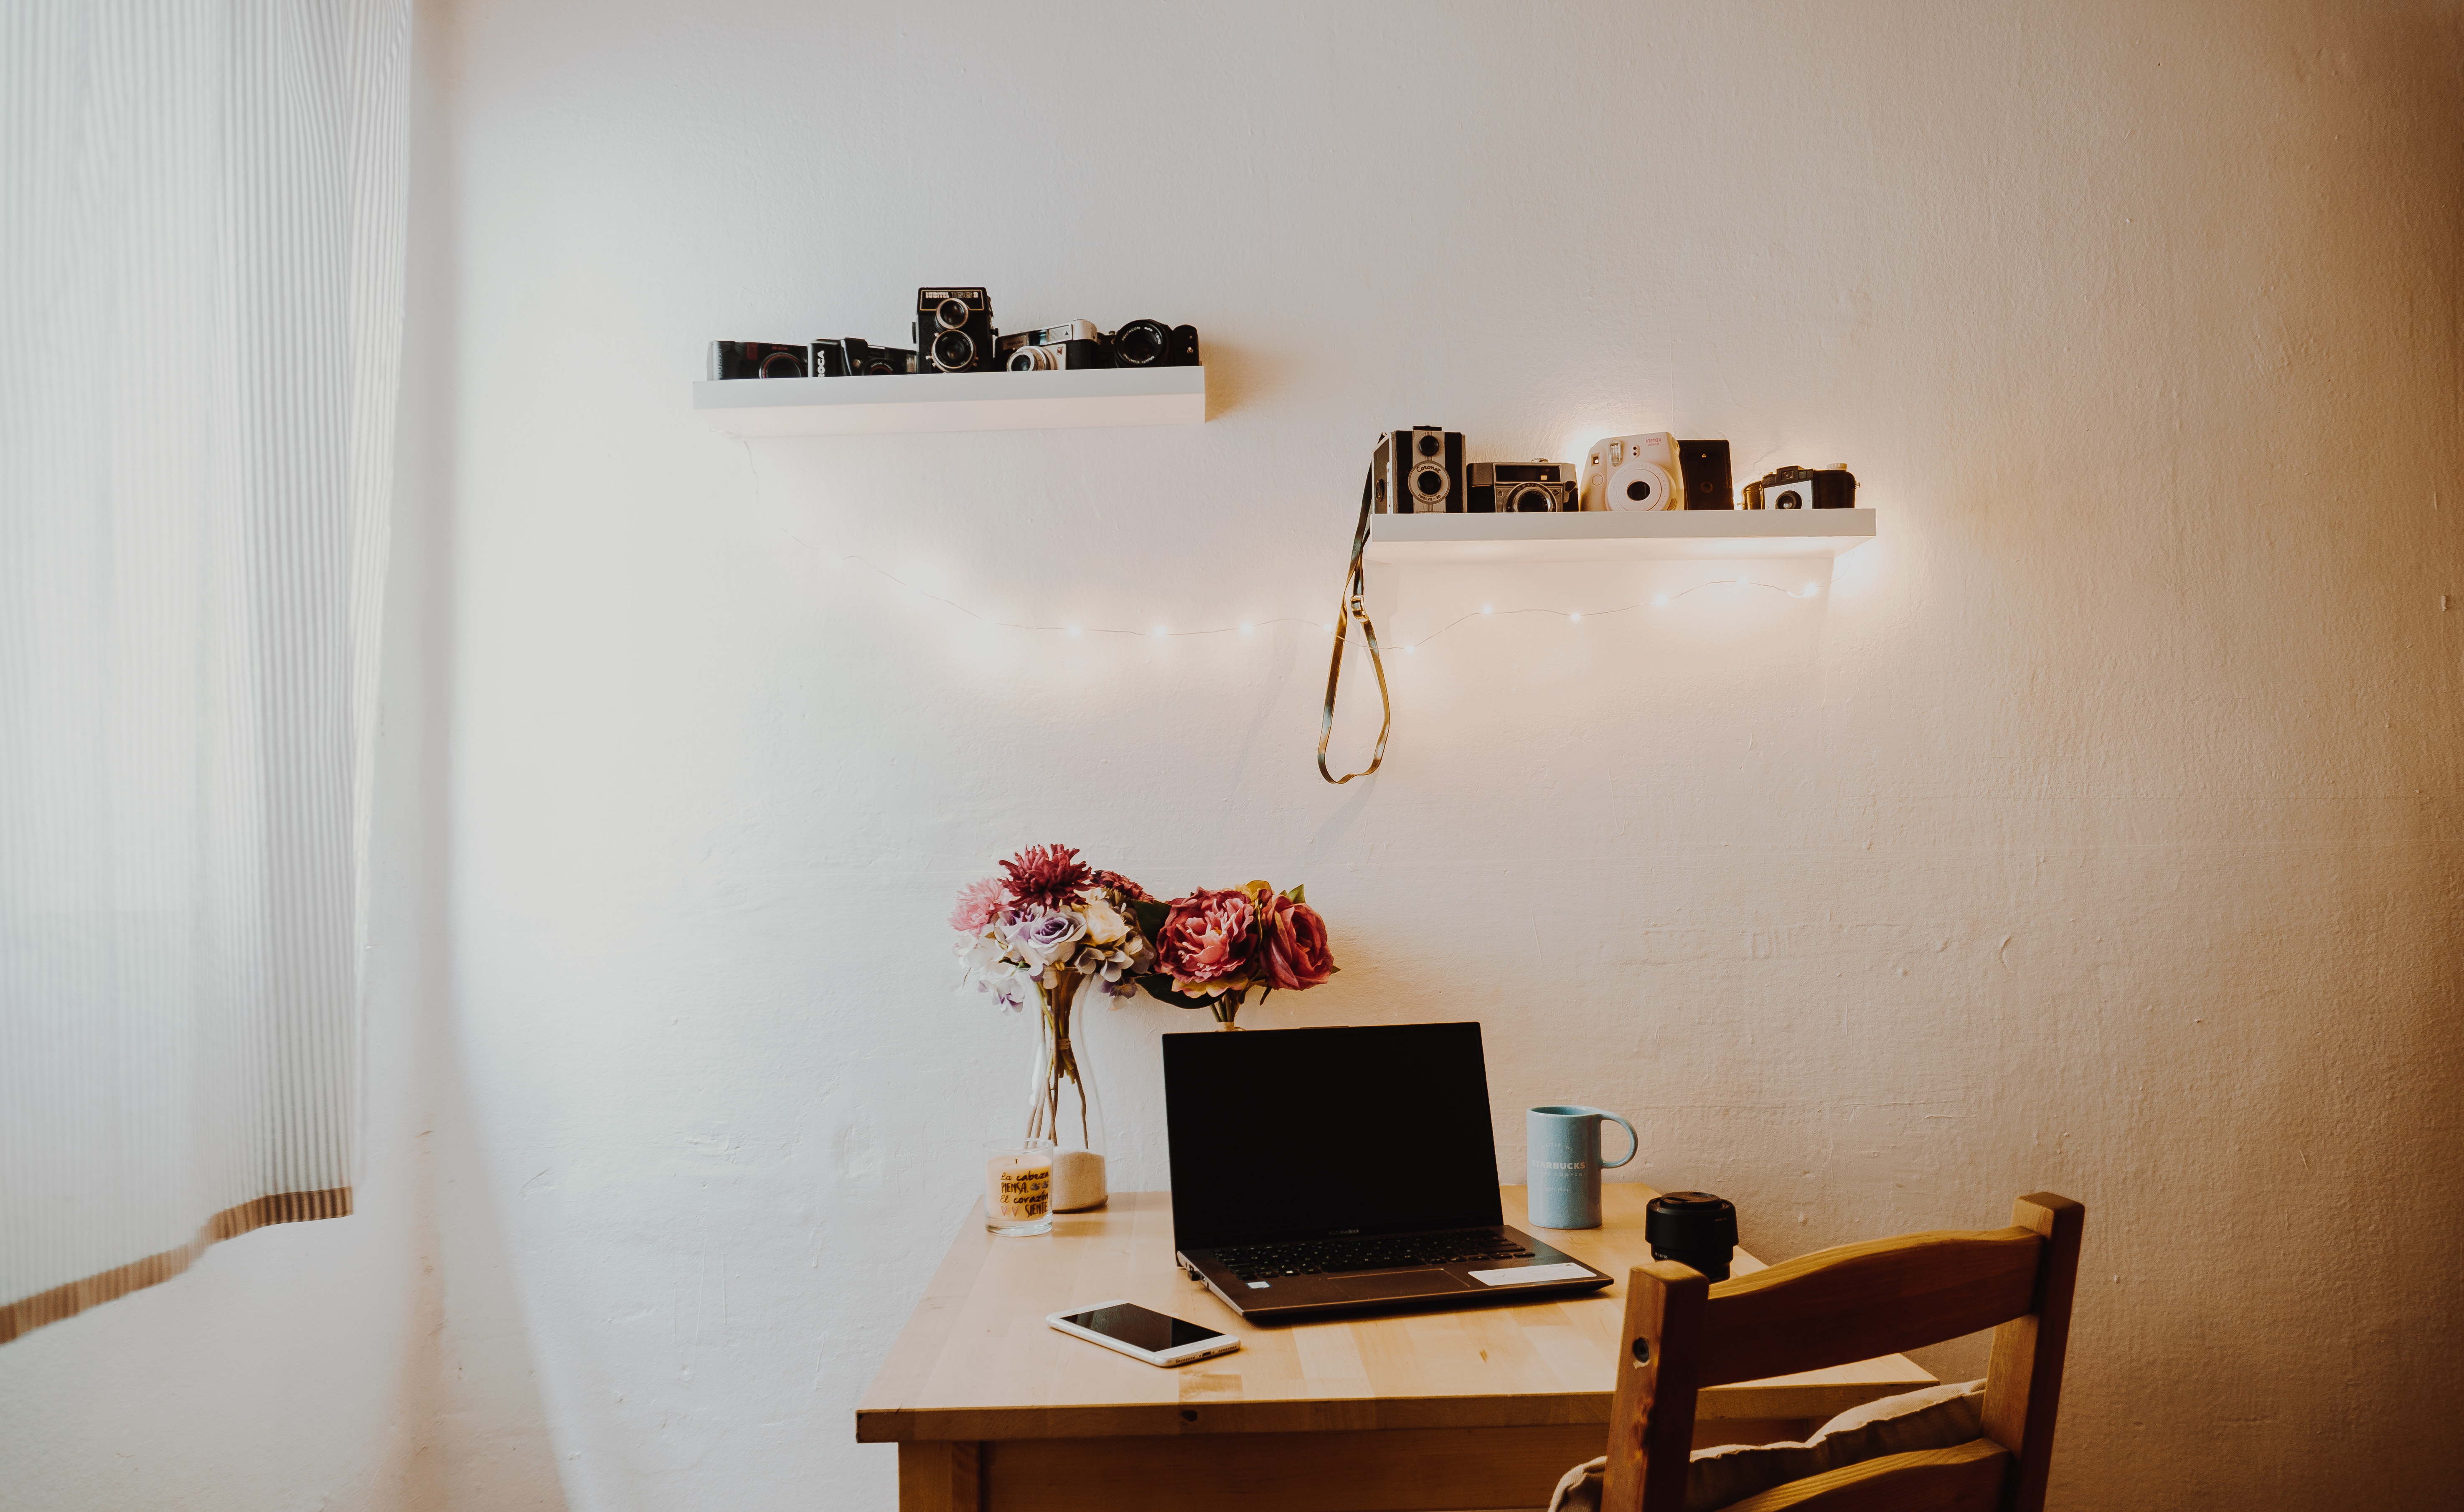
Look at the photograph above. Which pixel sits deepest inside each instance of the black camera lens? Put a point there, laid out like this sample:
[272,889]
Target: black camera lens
[954,349]
[1692,1228]
[1638,490]
[1428,444]
[950,314]
[1428,485]
[1139,342]
[1530,501]
[782,364]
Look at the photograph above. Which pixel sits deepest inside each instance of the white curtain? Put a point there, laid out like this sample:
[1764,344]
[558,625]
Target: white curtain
[201,268]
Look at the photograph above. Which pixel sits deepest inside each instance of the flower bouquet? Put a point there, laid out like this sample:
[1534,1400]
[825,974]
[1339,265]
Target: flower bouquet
[1051,929]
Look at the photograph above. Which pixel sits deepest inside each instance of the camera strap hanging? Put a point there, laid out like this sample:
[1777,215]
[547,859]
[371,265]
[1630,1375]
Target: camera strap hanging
[1354,605]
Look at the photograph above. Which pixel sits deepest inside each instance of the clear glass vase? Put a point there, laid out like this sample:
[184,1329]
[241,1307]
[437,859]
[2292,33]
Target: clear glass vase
[1063,1104]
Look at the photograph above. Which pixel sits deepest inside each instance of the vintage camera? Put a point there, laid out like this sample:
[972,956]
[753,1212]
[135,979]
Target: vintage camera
[1634,472]
[758,359]
[1833,487]
[1418,472]
[1520,488]
[1152,344]
[1075,345]
[1702,475]
[953,331]
[844,357]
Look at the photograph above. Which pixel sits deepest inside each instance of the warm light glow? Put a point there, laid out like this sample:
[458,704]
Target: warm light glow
[1485,609]
[1744,582]
[1328,628]
[1246,626]
[1075,631]
[1660,600]
[1576,617]
[1413,649]
[1158,632]
[1811,590]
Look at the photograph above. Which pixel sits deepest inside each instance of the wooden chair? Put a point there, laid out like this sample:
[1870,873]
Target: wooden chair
[1684,1333]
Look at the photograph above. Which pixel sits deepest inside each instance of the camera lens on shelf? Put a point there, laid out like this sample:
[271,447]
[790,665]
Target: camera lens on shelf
[1638,490]
[1428,446]
[1139,343]
[950,314]
[1692,1228]
[1529,500]
[954,349]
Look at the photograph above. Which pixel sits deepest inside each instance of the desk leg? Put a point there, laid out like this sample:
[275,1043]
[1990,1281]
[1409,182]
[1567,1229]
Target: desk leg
[940,1477]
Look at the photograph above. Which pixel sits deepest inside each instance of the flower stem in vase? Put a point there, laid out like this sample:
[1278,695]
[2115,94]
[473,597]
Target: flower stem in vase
[1063,1105]
[1227,1008]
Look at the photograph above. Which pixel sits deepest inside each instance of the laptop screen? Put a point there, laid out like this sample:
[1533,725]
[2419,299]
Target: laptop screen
[1302,1134]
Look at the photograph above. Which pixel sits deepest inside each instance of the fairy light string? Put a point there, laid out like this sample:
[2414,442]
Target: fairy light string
[1659,600]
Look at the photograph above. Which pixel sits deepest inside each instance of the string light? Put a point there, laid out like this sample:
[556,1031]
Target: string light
[922,581]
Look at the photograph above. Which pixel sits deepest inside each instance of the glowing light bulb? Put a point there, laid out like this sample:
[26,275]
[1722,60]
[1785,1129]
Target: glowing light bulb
[1576,617]
[1485,609]
[1328,628]
[1811,590]
[1744,582]
[1246,626]
[1660,600]
[1158,632]
[1075,631]
[1413,649]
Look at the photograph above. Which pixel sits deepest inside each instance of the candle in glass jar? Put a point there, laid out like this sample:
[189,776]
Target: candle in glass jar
[1018,1187]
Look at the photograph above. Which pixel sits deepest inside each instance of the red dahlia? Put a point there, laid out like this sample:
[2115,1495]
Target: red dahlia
[1051,875]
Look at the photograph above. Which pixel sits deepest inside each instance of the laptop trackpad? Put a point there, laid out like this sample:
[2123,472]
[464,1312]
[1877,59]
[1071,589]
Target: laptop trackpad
[1394,1283]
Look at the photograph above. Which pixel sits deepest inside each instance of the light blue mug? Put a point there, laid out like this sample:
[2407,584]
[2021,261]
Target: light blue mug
[1563,1165]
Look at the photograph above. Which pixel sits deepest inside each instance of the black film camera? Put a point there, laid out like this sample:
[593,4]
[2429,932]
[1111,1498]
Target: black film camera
[758,359]
[953,331]
[1152,344]
[1418,472]
[1804,488]
[853,356]
[1703,466]
[1076,344]
[1520,488]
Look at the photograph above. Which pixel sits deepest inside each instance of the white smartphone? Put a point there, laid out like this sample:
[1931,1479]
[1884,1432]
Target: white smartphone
[1143,1334]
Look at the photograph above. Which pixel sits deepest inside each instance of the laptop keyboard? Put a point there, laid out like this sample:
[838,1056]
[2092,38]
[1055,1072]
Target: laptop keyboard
[1384,1252]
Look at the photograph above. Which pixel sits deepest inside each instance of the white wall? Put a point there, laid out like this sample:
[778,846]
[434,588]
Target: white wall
[2096,830]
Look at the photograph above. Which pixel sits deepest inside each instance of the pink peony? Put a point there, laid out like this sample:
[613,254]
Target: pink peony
[980,903]
[1291,944]
[1207,942]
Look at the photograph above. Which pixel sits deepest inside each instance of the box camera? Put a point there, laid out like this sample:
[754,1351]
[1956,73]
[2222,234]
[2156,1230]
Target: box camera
[854,357]
[1520,488]
[1152,344]
[1076,344]
[1702,475]
[953,331]
[758,359]
[1833,487]
[1418,472]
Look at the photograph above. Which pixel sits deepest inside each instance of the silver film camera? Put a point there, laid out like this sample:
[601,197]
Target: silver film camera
[1074,343]
[1521,488]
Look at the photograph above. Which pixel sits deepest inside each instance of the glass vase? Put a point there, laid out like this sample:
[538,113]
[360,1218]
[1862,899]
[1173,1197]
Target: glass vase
[1063,1105]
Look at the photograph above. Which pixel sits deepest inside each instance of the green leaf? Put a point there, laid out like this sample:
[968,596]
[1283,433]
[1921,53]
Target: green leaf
[1295,893]
[1159,987]
[1150,916]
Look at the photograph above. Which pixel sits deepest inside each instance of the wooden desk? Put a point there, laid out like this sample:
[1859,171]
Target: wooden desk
[1474,1408]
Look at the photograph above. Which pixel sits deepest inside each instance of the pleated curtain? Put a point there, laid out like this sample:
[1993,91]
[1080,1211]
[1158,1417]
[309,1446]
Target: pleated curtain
[201,287]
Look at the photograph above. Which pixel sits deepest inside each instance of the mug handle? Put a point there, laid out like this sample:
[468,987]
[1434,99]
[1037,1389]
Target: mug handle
[1634,1142]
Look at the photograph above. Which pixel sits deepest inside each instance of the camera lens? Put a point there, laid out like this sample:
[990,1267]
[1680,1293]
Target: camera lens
[950,314]
[954,349]
[1530,501]
[781,364]
[1692,1228]
[1024,360]
[1429,445]
[1429,485]
[1139,342]
[1639,490]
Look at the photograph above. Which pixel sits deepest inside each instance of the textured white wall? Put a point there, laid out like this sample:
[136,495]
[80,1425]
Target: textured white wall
[2097,830]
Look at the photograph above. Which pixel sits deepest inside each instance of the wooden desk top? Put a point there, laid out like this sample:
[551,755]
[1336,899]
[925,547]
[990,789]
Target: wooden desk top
[977,1360]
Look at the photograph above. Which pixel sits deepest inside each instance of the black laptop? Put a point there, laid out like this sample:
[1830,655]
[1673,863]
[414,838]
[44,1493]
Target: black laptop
[1332,1170]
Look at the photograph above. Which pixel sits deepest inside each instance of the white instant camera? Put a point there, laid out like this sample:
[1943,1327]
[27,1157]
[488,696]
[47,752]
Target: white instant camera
[1634,472]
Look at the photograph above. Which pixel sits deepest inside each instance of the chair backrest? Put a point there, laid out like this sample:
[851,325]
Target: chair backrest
[1853,1303]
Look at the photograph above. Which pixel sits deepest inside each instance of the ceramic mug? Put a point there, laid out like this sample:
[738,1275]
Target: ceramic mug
[1563,1165]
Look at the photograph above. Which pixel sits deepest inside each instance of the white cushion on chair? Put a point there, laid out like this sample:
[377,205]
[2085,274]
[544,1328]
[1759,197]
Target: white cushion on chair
[1936,1418]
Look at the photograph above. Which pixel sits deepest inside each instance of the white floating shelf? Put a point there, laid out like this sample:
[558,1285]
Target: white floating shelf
[1616,536]
[912,402]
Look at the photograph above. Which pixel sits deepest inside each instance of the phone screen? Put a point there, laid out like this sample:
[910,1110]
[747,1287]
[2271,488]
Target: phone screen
[1141,1329]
